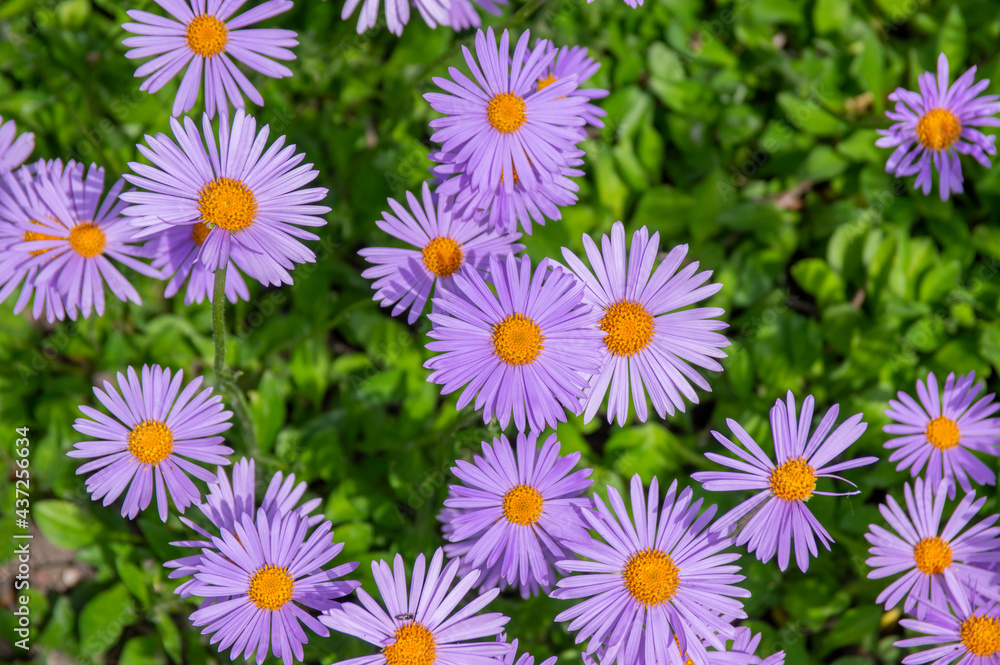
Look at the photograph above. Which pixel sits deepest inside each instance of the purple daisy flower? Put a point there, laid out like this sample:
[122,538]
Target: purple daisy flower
[444,244]
[943,430]
[157,428]
[204,36]
[937,124]
[263,573]
[656,586]
[517,511]
[20,206]
[13,149]
[397,13]
[969,634]
[649,345]
[462,13]
[500,122]
[777,515]
[71,247]
[573,61]
[520,352]
[421,626]
[225,506]
[248,198]
[938,567]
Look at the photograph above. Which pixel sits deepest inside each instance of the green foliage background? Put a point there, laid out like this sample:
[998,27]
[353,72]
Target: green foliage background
[744,129]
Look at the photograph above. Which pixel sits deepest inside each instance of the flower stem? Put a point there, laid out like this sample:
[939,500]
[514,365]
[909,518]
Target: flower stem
[225,377]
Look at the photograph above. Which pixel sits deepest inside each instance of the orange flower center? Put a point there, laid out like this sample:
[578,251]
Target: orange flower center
[271,587]
[943,433]
[206,35]
[151,441]
[443,256]
[518,340]
[199,232]
[522,505]
[793,481]
[228,204]
[506,112]
[547,81]
[629,327]
[938,129]
[32,235]
[651,576]
[87,239]
[981,635]
[414,645]
[932,555]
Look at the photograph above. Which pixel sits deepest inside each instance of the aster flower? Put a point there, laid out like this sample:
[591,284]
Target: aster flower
[655,587]
[969,634]
[573,61]
[936,125]
[942,431]
[248,197]
[156,432]
[741,652]
[649,345]
[20,206]
[517,511]
[397,13]
[444,244]
[13,151]
[225,506]
[203,35]
[72,246]
[771,520]
[462,13]
[519,352]
[499,122]
[939,565]
[264,574]
[421,626]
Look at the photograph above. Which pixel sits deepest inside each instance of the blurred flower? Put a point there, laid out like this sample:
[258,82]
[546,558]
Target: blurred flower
[444,244]
[648,344]
[967,633]
[20,206]
[265,570]
[462,13]
[204,37]
[72,245]
[657,585]
[573,61]
[421,626]
[156,430]
[397,13]
[521,352]
[513,513]
[777,515]
[934,126]
[938,566]
[943,430]
[500,130]
[250,200]
[13,151]
[225,506]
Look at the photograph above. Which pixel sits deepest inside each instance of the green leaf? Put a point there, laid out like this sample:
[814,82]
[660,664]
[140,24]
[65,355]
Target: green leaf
[831,15]
[809,115]
[663,208]
[816,278]
[939,281]
[103,619]
[142,650]
[66,524]
[823,163]
[952,38]
[170,636]
[267,409]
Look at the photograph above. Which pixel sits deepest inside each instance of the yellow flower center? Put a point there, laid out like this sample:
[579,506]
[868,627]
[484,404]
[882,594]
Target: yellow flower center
[522,505]
[271,587]
[651,577]
[518,340]
[981,635]
[794,480]
[414,645]
[932,555]
[199,232]
[32,235]
[938,129]
[547,81]
[228,204]
[443,256]
[87,239]
[506,112]
[943,433]
[629,328]
[207,35]
[151,441]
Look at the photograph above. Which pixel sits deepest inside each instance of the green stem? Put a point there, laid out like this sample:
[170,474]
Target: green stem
[226,378]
